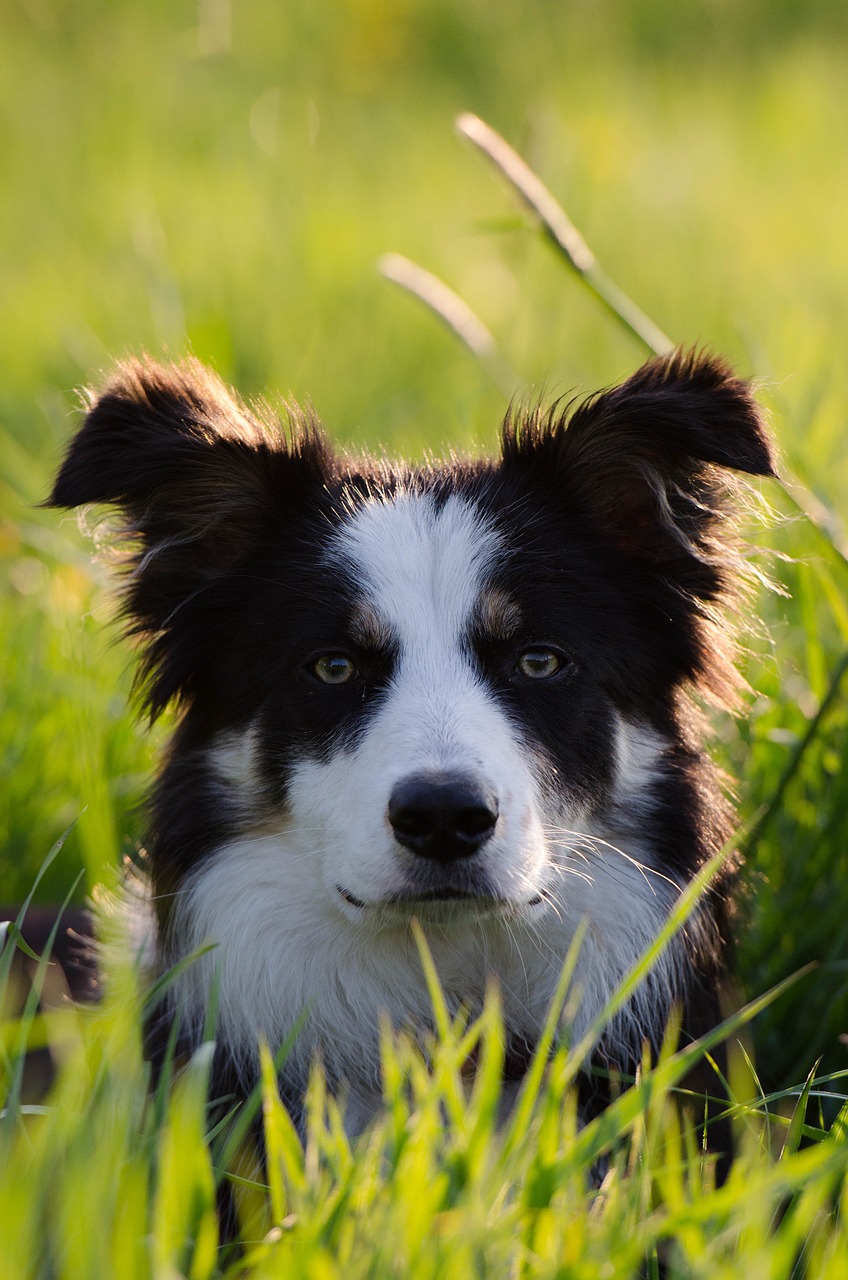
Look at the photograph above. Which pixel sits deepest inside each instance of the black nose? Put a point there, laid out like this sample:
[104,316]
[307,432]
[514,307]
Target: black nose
[443,816]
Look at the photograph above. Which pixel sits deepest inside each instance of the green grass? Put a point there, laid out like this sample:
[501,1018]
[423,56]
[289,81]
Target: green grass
[109,1180]
[223,179]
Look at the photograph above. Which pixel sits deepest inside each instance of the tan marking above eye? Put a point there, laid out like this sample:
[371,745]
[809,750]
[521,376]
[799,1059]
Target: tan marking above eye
[497,614]
[367,628]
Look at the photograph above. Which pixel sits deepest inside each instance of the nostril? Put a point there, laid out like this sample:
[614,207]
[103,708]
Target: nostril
[476,820]
[410,821]
[443,816]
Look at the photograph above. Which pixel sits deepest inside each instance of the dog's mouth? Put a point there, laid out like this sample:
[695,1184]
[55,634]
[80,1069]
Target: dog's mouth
[408,901]
[349,897]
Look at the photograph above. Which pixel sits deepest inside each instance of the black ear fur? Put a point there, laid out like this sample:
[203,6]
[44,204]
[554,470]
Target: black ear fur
[643,462]
[647,467]
[199,480]
[175,450]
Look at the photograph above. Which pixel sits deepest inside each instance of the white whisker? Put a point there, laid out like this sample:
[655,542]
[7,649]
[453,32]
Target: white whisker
[563,837]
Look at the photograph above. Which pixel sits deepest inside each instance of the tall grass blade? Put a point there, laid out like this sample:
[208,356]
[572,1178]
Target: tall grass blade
[682,910]
[17,1064]
[561,232]
[184,1236]
[532,1084]
[567,240]
[239,1123]
[608,1127]
[797,1124]
[762,822]
[453,311]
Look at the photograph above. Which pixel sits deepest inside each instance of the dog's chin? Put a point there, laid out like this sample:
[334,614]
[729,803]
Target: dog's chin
[446,905]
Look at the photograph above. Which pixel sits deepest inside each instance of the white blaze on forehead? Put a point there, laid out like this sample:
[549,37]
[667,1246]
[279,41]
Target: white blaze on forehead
[422,565]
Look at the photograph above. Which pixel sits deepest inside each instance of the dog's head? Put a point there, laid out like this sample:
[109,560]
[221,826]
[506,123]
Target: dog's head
[423,675]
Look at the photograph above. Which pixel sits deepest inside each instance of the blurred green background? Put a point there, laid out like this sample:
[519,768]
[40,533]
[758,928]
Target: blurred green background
[220,176]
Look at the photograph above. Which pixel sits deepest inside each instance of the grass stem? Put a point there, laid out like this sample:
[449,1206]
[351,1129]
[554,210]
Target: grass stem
[560,231]
[453,311]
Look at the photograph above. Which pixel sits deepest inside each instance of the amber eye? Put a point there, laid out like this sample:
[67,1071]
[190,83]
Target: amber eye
[333,668]
[539,664]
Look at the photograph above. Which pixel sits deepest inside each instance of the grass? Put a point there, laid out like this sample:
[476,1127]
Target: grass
[109,1180]
[224,179]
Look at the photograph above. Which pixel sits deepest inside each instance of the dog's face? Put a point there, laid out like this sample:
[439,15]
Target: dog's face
[423,794]
[451,693]
[434,719]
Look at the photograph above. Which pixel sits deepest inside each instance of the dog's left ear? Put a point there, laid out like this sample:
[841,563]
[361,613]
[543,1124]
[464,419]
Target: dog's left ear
[646,463]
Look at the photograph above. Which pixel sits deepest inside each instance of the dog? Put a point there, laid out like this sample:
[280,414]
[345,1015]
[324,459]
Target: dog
[466,693]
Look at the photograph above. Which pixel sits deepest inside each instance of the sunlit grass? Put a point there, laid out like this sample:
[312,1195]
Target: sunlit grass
[105,1180]
[224,178]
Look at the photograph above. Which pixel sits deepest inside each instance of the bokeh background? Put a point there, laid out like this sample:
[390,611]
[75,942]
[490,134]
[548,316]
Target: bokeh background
[220,176]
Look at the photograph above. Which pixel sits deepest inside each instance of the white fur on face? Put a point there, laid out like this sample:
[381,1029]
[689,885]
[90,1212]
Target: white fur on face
[421,571]
[288,942]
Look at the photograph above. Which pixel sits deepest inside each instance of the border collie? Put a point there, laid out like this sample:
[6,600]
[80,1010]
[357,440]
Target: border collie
[465,693]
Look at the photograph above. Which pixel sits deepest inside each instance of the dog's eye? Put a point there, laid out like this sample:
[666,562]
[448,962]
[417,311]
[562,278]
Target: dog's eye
[333,668]
[539,664]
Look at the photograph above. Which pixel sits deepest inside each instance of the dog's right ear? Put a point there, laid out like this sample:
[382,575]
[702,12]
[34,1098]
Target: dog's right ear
[182,458]
[196,476]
